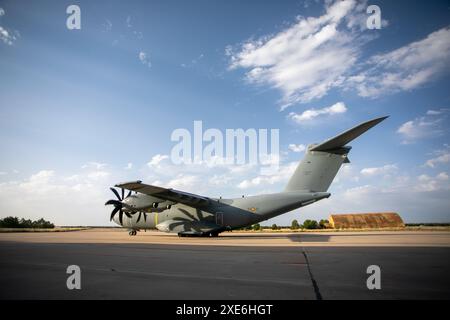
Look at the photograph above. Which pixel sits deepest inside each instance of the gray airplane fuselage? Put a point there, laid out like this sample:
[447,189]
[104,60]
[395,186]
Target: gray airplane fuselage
[181,212]
[220,214]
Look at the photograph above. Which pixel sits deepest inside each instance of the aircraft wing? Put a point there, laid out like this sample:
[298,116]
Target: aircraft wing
[186,198]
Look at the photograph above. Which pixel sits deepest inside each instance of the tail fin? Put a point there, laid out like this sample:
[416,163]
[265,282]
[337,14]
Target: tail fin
[322,161]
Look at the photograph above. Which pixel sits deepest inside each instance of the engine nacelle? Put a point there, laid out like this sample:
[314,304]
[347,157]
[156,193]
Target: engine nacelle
[138,202]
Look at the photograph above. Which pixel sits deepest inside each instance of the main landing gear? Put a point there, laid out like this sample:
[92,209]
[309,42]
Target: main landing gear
[132,232]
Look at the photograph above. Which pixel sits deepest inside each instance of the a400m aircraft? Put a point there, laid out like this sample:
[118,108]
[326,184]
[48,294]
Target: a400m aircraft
[169,210]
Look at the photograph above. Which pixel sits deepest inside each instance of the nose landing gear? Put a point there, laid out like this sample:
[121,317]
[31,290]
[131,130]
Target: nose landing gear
[132,232]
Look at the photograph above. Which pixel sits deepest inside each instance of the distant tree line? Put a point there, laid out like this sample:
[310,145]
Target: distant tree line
[14,222]
[310,224]
[307,224]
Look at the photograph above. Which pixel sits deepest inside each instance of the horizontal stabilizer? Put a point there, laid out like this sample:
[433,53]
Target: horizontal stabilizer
[342,139]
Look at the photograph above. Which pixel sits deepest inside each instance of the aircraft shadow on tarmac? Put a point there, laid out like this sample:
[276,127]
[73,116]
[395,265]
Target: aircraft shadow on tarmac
[292,237]
[307,237]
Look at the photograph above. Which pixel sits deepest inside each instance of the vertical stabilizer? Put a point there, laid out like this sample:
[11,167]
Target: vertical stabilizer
[321,163]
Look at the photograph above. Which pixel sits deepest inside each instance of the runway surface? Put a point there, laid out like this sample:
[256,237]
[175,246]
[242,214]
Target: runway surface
[152,265]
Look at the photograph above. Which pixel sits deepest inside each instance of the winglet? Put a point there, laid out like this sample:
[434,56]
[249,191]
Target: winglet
[342,139]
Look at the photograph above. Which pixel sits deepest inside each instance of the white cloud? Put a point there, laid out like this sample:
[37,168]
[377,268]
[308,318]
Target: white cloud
[241,169]
[145,60]
[437,112]
[375,171]
[406,68]
[442,176]
[281,176]
[424,178]
[428,184]
[346,174]
[157,159]
[221,179]
[316,54]
[74,177]
[308,58]
[311,114]
[76,199]
[416,129]
[94,165]
[7,36]
[442,158]
[40,178]
[297,147]
[210,177]
[422,127]
[96,175]
[129,166]
[183,182]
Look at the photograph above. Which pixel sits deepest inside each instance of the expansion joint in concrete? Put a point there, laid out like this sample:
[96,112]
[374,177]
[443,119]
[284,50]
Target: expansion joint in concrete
[311,276]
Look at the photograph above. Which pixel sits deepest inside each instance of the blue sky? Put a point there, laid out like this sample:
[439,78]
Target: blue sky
[84,109]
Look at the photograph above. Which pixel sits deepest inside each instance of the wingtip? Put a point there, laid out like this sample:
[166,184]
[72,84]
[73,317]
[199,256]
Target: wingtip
[379,119]
[119,185]
[375,121]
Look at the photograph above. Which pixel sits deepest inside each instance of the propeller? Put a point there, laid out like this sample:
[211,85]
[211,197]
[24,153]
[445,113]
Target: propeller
[139,216]
[118,205]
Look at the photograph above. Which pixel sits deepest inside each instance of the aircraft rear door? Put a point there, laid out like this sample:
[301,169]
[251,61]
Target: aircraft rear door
[219,218]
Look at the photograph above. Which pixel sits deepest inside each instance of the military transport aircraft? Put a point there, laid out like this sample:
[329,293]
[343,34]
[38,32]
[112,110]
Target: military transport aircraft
[170,210]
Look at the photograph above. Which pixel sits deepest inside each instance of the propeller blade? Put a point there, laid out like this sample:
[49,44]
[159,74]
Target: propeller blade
[129,194]
[127,214]
[145,217]
[123,193]
[113,213]
[114,202]
[139,217]
[116,193]
[121,216]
